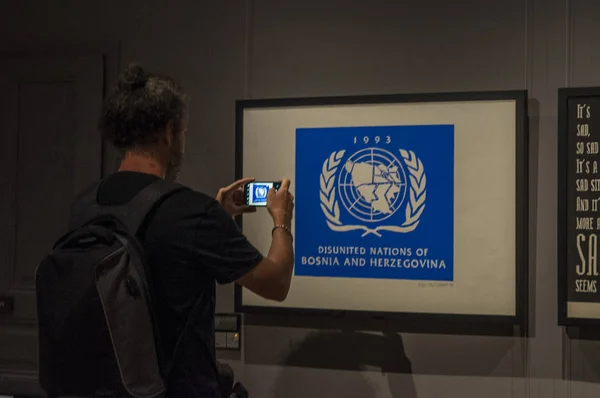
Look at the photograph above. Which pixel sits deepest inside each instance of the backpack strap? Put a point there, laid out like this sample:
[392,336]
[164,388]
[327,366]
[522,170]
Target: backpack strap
[132,214]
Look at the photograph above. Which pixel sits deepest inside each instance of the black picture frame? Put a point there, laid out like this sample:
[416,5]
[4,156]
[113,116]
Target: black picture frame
[521,198]
[564,95]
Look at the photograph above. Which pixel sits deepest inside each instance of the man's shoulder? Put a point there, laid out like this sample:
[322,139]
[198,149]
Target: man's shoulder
[191,209]
[190,199]
[180,215]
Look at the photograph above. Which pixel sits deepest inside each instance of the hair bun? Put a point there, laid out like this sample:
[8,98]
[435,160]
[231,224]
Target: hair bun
[133,77]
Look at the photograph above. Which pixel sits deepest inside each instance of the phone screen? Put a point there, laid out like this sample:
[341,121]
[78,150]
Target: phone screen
[256,192]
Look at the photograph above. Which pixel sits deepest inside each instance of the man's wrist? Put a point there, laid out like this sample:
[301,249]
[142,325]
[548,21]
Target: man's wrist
[283,227]
[280,221]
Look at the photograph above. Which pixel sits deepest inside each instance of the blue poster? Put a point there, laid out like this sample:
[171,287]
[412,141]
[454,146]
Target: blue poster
[375,202]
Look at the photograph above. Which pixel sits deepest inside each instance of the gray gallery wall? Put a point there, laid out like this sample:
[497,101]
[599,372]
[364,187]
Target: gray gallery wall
[227,50]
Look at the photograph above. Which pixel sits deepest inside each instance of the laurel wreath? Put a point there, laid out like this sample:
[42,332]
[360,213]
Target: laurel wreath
[414,207]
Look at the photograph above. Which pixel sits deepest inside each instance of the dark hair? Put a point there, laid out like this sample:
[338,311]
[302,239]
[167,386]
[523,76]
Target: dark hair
[137,112]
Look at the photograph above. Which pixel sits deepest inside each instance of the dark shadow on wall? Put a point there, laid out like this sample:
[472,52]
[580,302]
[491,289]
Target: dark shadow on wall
[584,361]
[294,342]
[350,351]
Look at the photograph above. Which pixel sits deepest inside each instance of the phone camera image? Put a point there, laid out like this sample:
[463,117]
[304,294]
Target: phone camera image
[260,193]
[257,192]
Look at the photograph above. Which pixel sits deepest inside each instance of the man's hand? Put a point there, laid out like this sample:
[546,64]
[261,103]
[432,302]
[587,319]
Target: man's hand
[232,198]
[280,204]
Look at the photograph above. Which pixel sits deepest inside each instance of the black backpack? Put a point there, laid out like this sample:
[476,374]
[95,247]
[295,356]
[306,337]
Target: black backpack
[97,324]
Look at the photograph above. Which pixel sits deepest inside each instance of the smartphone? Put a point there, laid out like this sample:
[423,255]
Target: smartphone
[255,193]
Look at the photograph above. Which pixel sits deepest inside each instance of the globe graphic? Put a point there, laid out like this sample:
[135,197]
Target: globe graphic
[372,184]
[261,192]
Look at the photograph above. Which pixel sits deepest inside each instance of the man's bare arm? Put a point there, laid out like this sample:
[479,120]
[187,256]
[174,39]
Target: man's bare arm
[271,278]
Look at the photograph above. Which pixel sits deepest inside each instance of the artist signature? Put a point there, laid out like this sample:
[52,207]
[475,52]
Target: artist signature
[436,284]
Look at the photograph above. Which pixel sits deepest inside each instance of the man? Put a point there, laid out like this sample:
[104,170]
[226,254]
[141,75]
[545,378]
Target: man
[191,241]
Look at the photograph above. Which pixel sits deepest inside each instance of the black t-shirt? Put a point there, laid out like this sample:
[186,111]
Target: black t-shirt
[190,242]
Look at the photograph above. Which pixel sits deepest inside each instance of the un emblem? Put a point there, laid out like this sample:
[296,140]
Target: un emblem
[372,185]
[261,192]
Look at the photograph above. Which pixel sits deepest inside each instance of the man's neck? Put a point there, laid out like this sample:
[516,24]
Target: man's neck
[142,164]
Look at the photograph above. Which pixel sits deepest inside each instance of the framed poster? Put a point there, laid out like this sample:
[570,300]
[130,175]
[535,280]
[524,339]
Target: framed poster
[578,212]
[409,206]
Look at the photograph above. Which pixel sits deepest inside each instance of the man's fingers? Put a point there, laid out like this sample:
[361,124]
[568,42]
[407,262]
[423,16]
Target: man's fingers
[239,183]
[285,184]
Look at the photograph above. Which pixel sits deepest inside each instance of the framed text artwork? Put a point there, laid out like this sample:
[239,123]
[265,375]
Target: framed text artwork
[406,205]
[578,209]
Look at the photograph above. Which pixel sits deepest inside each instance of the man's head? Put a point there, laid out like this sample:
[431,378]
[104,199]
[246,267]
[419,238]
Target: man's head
[145,118]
